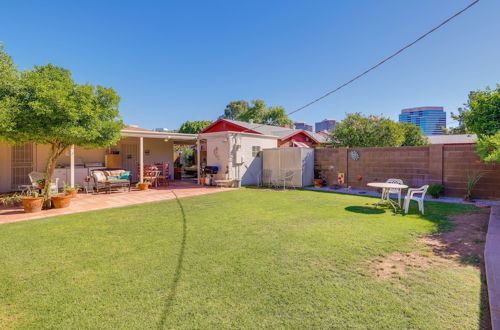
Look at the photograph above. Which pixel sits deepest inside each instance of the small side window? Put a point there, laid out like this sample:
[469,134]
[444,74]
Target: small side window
[255,151]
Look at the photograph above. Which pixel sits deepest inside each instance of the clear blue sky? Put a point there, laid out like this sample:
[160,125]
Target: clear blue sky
[185,60]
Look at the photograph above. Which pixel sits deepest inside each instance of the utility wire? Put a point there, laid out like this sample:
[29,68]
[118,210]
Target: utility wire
[378,64]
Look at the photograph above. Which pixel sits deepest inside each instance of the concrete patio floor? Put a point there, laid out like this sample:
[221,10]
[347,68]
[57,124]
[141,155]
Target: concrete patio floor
[90,202]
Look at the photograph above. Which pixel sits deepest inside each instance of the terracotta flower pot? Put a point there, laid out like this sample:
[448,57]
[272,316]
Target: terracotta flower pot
[143,186]
[318,183]
[61,201]
[72,193]
[32,204]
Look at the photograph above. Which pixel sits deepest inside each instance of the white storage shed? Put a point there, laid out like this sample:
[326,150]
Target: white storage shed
[292,167]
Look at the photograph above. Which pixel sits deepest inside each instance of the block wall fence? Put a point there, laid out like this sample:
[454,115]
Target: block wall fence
[448,165]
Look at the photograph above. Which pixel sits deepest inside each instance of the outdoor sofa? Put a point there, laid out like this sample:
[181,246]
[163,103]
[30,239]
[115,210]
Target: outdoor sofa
[108,179]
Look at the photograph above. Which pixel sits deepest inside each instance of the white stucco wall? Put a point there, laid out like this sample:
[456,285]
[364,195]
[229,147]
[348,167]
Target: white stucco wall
[251,170]
[159,151]
[218,155]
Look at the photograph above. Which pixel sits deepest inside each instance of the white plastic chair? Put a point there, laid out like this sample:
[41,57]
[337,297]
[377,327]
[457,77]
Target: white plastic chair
[394,190]
[35,176]
[411,196]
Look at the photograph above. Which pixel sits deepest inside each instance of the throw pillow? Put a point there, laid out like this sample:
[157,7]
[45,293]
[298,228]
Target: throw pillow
[99,176]
[125,175]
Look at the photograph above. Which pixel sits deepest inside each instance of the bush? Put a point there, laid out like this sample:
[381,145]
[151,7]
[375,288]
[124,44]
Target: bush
[489,148]
[435,190]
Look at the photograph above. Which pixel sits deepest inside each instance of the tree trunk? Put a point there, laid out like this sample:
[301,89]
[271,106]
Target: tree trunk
[56,149]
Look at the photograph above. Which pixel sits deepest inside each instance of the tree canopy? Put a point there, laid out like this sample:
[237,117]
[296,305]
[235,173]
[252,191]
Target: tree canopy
[234,109]
[482,117]
[194,127]
[258,112]
[357,130]
[460,118]
[413,135]
[44,105]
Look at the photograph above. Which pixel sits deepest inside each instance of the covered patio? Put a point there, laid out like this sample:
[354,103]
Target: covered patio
[136,150]
[91,202]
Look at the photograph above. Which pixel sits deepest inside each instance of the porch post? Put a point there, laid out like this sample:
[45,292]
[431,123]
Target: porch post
[72,165]
[198,159]
[141,159]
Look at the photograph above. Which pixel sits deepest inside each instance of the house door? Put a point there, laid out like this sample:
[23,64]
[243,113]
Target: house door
[21,164]
[130,154]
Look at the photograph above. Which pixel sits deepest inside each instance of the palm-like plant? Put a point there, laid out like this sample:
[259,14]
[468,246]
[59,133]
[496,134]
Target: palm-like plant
[472,179]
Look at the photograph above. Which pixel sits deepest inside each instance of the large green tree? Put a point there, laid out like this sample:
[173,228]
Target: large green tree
[460,119]
[235,109]
[413,135]
[483,118]
[194,127]
[258,112]
[45,106]
[357,130]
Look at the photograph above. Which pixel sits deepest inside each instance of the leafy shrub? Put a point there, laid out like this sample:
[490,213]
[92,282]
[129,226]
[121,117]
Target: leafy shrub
[435,190]
[489,148]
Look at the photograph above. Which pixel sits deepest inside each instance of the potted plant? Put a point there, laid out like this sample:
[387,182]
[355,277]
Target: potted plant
[435,190]
[10,200]
[32,201]
[318,183]
[143,185]
[70,190]
[472,179]
[41,183]
[60,201]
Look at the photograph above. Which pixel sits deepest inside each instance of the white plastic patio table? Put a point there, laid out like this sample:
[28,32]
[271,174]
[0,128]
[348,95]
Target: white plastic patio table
[386,196]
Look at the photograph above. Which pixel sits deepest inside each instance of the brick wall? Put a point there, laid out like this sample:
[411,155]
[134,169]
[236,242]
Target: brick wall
[416,166]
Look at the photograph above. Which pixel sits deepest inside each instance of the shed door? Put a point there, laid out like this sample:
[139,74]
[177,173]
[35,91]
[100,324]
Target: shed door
[21,164]
[130,154]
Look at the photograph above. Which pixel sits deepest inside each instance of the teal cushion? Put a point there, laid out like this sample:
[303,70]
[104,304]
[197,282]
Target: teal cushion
[125,175]
[113,177]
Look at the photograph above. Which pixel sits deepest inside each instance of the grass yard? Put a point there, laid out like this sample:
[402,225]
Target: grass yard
[238,259]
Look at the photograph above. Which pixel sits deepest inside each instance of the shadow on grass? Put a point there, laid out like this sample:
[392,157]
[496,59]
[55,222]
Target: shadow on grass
[169,301]
[364,209]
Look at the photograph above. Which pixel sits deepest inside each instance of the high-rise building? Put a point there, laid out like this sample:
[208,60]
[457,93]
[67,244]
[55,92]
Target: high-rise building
[302,125]
[429,119]
[325,125]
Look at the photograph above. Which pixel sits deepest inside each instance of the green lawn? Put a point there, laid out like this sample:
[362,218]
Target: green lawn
[237,259]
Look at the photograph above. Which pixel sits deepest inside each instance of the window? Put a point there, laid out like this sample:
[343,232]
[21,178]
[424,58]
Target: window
[255,151]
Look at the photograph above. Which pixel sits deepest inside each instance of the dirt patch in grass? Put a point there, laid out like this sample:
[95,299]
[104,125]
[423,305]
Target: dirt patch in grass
[464,245]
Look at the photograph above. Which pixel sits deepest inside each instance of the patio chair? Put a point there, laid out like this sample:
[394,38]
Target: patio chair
[163,177]
[394,190]
[152,177]
[411,196]
[283,181]
[35,176]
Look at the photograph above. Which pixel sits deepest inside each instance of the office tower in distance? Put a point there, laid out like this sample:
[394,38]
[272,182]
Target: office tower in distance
[429,119]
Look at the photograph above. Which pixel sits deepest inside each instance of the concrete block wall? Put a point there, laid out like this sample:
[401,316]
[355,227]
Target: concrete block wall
[439,164]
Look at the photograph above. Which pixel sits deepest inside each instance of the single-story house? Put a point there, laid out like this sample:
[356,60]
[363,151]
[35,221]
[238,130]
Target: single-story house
[287,137]
[138,146]
[235,147]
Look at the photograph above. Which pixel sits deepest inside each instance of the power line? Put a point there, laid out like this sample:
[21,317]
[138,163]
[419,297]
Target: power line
[385,60]
[379,63]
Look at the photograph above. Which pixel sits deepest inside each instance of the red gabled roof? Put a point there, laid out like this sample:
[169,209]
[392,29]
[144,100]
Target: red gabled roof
[223,125]
[303,132]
